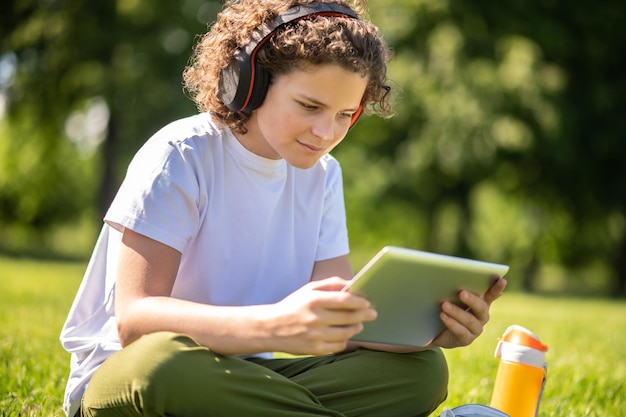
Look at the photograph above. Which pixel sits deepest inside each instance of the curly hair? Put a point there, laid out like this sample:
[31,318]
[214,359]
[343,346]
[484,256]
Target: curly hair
[354,44]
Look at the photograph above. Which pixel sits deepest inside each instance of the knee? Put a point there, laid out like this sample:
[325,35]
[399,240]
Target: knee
[429,378]
[137,375]
[140,361]
[158,353]
[160,342]
[422,379]
[433,367]
[405,384]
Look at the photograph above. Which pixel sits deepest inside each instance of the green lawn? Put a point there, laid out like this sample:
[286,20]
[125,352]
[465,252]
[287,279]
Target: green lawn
[35,296]
[587,358]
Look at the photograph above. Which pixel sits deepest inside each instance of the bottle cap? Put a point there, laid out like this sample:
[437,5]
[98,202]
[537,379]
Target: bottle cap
[519,335]
[520,345]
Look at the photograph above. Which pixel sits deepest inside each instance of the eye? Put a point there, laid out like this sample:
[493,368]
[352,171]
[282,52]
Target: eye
[346,115]
[307,106]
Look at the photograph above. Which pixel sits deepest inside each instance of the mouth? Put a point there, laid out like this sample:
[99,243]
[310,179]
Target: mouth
[311,148]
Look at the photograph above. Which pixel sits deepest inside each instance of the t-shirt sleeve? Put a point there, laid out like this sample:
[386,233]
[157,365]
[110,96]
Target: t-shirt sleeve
[333,239]
[159,196]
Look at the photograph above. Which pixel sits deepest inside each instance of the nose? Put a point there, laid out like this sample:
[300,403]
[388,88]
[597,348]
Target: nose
[324,128]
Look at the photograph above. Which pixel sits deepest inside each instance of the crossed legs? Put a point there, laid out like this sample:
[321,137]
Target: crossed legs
[167,374]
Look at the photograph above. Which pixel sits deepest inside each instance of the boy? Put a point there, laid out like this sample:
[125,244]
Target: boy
[227,240]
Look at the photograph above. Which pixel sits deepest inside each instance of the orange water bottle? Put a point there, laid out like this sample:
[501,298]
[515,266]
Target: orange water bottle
[521,373]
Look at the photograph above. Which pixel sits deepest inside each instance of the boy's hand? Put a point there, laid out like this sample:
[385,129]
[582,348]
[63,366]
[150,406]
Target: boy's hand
[463,326]
[319,318]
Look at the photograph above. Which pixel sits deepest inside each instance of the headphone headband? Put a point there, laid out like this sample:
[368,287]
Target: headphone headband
[243,83]
[301,11]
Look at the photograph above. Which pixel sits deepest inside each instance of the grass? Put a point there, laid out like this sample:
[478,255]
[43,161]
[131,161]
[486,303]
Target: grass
[35,298]
[587,359]
[586,356]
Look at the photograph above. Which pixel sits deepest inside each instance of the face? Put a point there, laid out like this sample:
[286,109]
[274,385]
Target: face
[306,113]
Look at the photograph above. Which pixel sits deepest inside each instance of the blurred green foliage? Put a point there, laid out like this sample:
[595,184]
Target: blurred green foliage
[506,145]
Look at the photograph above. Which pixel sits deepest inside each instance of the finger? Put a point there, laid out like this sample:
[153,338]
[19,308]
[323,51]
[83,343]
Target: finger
[476,305]
[462,321]
[461,333]
[328,284]
[350,317]
[495,291]
[326,348]
[341,300]
[332,339]
[343,333]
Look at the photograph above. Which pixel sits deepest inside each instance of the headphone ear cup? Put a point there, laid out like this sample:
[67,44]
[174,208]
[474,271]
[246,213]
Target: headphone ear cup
[261,83]
[238,81]
[234,82]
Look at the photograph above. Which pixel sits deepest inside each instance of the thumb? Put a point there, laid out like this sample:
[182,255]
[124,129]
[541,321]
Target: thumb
[329,284]
[495,291]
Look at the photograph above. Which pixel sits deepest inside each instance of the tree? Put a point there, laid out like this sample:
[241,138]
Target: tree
[87,80]
[507,143]
[510,106]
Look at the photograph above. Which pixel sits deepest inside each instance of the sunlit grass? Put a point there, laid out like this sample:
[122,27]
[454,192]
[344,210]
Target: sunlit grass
[587,359]
[35,296]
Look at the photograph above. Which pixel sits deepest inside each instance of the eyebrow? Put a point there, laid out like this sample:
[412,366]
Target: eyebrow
[321,104]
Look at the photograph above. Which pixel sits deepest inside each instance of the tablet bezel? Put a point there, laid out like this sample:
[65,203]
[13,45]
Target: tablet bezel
[407,287]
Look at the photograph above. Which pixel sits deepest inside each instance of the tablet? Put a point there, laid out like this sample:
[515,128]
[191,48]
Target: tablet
[407,288]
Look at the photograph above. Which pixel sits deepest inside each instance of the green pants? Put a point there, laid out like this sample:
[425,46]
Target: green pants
[167,374]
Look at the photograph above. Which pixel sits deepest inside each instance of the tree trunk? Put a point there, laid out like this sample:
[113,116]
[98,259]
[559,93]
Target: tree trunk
[108,183]
[619,285]
[529,277]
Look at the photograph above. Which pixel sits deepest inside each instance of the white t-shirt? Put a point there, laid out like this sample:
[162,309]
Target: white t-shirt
[249,230]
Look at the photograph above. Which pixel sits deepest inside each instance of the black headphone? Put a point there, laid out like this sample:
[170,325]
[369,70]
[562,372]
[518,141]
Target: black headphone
[243,83]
